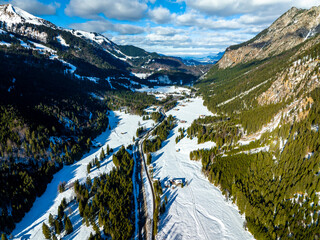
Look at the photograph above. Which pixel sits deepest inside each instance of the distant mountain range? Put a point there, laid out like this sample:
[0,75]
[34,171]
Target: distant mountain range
[210,59]
[91,55]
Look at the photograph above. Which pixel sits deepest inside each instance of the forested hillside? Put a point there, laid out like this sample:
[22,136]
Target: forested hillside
[54,99]
[266,129]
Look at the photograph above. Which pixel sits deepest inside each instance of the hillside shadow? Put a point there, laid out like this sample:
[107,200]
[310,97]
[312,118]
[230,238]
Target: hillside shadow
[171,196]
[24,236]
[156,158]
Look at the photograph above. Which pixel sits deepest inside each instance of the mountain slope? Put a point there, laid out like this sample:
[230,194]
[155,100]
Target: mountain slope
[56,87]
[89,55]
[266,128]
[291,29]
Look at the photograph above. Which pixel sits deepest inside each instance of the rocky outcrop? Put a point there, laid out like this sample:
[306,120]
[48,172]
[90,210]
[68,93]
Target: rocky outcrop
[300,78]
[291,29]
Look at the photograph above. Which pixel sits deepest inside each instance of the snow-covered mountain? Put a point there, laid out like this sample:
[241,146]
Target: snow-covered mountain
[14,15]
[90,55]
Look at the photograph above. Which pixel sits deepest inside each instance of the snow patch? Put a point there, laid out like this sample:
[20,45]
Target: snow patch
[14,15]
[62,41]
[142,75]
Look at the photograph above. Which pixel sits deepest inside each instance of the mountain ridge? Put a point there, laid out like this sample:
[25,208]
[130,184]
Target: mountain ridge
[17,21]
[289,30]
[265,93]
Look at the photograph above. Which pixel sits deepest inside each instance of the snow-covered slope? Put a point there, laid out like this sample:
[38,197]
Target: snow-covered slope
[14,15]
[198,210]
[123,129]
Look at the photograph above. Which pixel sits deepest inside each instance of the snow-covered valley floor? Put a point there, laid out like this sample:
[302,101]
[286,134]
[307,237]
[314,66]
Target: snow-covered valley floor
[123,128]
[198,210]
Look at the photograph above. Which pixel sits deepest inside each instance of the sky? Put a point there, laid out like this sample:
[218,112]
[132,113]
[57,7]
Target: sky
[185,28]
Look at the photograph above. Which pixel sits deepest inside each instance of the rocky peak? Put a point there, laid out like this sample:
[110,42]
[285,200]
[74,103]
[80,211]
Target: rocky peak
[289,30]
[13,15]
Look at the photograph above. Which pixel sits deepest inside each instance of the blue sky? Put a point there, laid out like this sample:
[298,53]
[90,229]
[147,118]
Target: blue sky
[173,27]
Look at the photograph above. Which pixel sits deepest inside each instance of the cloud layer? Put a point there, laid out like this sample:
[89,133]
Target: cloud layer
[119,9]
[174,27]
[37,8]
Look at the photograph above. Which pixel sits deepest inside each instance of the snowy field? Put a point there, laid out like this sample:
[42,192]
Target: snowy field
[161,92]
[123,128]
[198,210]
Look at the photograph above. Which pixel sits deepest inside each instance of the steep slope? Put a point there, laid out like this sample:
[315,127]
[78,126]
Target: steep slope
[55,92]
[266,128]
[288,31]
[90,55]
[13,15]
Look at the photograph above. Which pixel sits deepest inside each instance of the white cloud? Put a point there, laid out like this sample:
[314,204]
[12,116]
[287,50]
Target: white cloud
[119,9]
[35,7]
[206,26]
[167,31]
[160,15]
[200,21]
[101,26]
[233,7]
[128,29]
[184,42]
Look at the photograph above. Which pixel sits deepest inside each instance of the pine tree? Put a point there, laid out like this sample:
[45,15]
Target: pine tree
[98,164]
[60,211]
[108,149]
[100,219]
[91,237]
[51,220]
[46,231]
[57,226]
[88,181]
[3,236]
[102,154]
[68,225]
[95,227]
[88,168]
[149,158]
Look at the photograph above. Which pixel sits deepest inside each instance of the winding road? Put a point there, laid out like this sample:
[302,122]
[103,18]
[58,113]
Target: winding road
[139,147]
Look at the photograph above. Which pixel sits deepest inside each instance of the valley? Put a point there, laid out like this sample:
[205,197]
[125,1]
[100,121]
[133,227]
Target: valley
[209,215]
[101,140]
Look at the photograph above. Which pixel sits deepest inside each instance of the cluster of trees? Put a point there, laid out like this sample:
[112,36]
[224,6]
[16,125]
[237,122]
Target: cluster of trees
[169,105]
[181,131]
[160,134]
[221,130]
[139,131]
[277,190]
[109,199]
[149,158]
[59,224]
[135,101]
[156,116]
[159,208]
[145,117]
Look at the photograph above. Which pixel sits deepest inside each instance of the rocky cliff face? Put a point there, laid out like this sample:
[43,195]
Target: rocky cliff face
[291,29]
